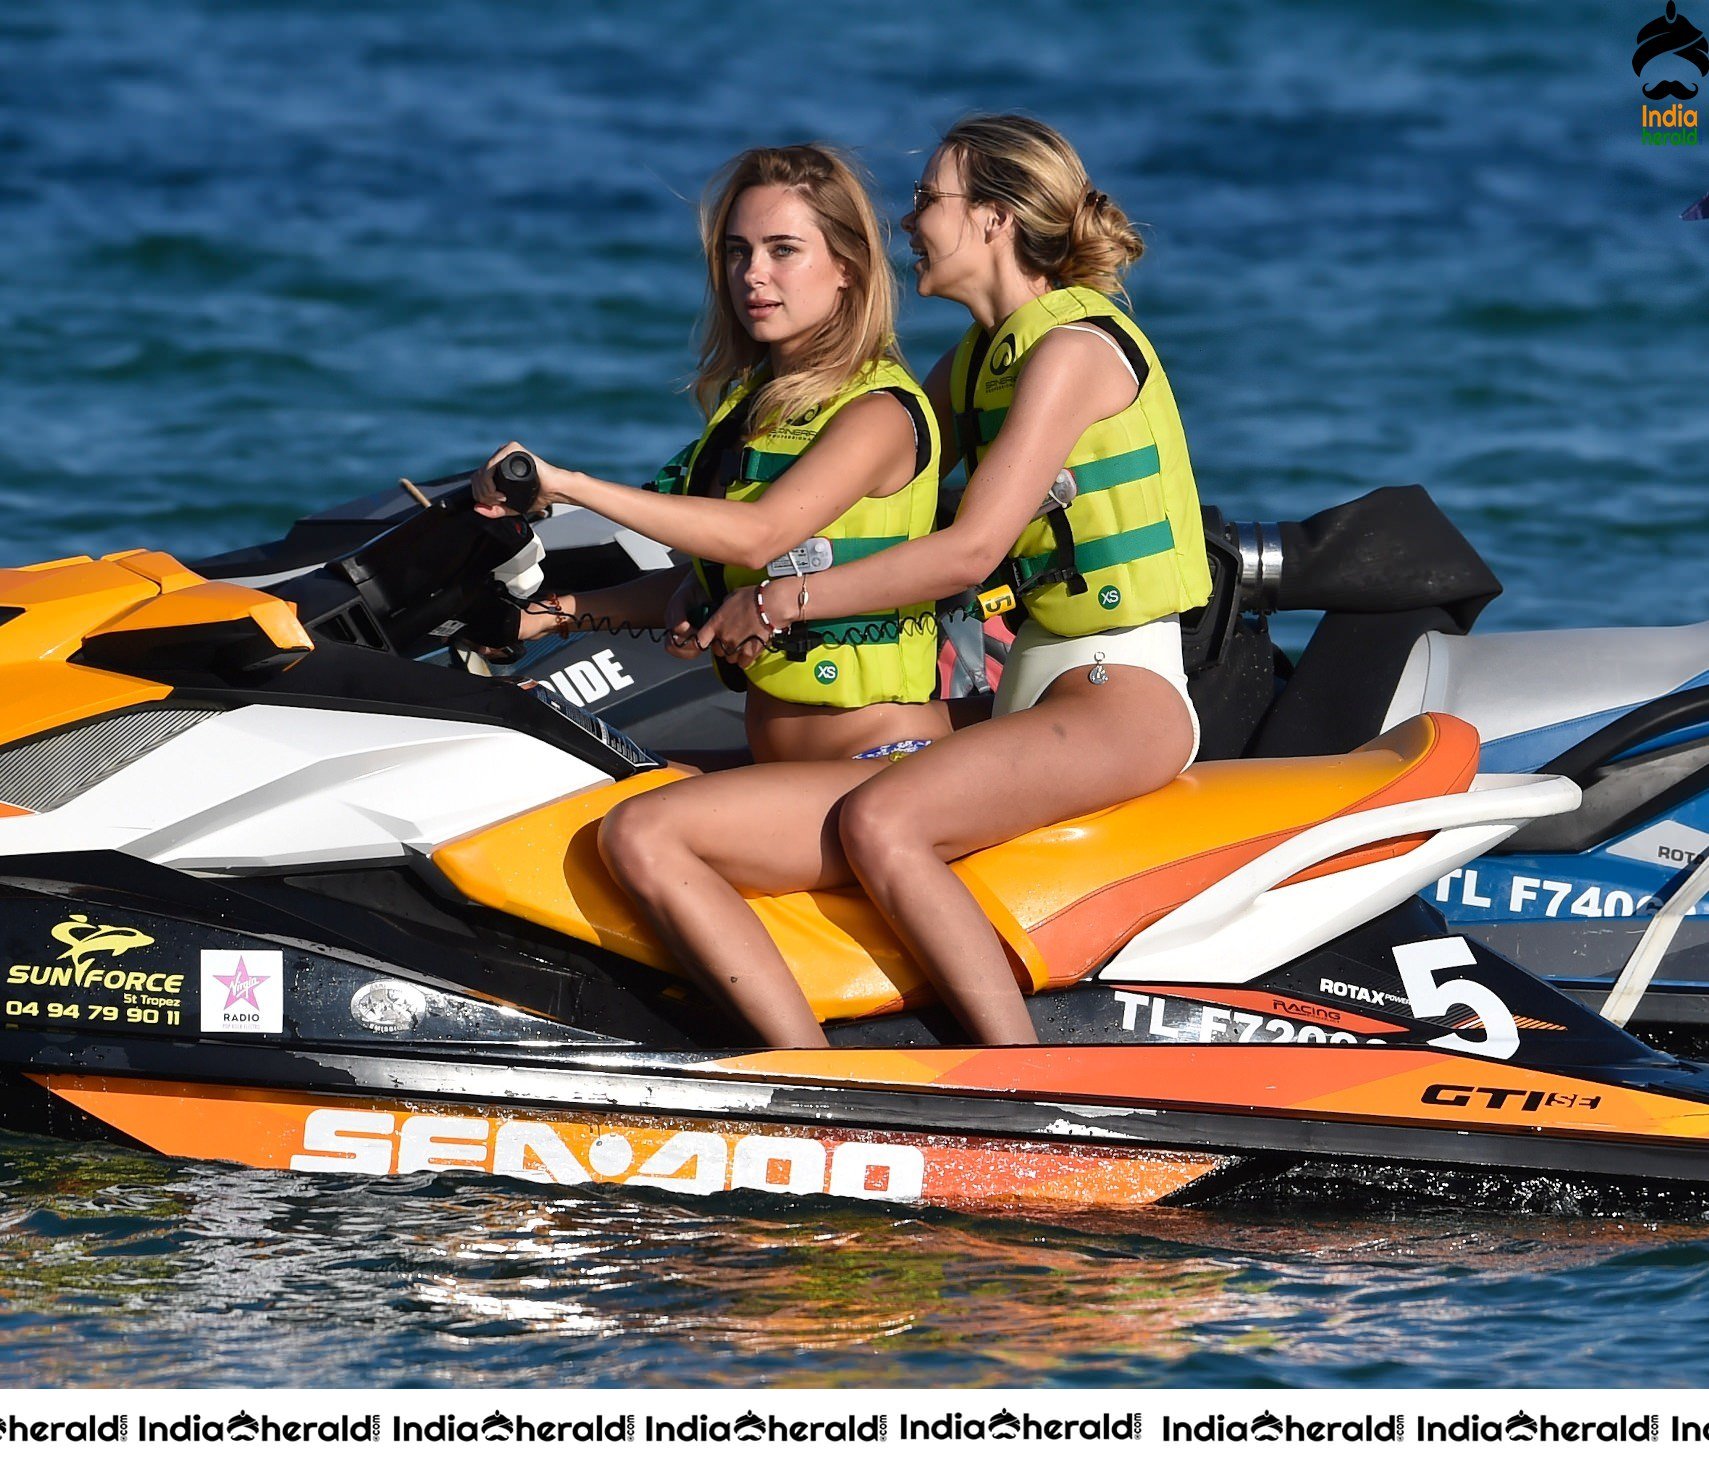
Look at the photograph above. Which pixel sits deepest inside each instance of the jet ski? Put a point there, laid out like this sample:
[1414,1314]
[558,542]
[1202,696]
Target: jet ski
[1624,713]
[273,898]
[1608,899]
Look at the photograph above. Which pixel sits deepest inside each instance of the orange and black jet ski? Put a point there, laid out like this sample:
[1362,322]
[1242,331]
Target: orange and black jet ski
[276,900]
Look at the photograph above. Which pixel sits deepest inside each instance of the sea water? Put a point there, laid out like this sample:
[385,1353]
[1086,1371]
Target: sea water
[257,259]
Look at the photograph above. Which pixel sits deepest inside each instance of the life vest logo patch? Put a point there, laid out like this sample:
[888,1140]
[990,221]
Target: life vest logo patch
[824,672]
[1109,596]
[1003,355]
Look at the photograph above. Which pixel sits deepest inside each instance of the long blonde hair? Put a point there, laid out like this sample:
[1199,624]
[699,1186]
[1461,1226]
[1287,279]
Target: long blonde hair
[862,328]
[1065,229]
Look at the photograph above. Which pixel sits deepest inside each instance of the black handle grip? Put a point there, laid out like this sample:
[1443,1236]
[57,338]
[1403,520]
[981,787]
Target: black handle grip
[518,482]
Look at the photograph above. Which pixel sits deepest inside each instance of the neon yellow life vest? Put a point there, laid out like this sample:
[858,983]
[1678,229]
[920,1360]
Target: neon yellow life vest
[1130,548]
[853,662]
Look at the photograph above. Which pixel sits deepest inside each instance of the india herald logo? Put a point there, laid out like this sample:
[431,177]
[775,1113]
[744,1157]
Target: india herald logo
[824,673]
[1671,58]
[1680,47]
[1109,596]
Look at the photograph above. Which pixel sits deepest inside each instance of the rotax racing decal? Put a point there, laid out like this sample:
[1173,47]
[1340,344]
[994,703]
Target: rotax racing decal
[97,974]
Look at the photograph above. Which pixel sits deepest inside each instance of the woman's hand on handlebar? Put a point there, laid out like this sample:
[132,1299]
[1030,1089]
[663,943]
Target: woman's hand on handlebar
[489,497]
[538,619]
[684,612]
[735,632]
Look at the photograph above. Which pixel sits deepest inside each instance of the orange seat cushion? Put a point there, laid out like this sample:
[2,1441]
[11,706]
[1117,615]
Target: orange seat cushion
[1064,898]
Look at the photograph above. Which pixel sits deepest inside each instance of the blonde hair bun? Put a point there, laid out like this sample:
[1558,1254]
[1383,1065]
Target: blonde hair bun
[1065,229]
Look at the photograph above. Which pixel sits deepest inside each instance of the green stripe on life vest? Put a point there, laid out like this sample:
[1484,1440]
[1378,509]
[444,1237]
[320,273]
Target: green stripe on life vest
[1110,472]
[847,550]
[1090,477]
[765,467]
[1106,553]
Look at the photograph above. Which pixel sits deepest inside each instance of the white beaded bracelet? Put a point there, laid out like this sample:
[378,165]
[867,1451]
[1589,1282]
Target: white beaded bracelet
[759,605]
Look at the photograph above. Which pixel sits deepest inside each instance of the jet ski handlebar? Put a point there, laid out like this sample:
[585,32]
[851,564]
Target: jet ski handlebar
[518,482]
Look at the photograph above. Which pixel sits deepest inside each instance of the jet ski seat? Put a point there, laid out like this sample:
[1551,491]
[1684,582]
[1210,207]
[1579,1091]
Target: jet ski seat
[1535,693]
[1063,898]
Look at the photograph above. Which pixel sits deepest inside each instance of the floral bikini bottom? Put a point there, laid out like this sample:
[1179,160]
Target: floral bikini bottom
[893,751]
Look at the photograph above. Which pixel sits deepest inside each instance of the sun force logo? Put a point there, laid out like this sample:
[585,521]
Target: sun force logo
[81,939]
[1671,57]
[84,939]
[683,1162]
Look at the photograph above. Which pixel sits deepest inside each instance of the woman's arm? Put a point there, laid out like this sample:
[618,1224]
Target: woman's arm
[868,448]
[639,602]
[1068,383]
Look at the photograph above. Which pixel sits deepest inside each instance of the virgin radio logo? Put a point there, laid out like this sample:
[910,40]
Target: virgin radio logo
[243,991]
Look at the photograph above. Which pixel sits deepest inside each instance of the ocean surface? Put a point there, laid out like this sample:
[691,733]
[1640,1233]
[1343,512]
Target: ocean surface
[256,259]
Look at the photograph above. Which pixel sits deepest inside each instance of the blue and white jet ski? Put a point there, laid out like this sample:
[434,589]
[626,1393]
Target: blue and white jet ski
[1608,900]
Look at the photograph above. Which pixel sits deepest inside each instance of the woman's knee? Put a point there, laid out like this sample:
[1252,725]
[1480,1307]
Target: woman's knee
[873,826]
[631,840]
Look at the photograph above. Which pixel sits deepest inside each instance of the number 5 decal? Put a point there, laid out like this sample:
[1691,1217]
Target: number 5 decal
[1418,964]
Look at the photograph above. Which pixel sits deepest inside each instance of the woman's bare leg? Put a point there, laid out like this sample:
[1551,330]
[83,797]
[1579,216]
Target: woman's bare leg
[1081,748]
[686,853]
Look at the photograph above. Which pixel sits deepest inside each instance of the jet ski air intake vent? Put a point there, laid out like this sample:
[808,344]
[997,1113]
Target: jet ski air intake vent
[50,771]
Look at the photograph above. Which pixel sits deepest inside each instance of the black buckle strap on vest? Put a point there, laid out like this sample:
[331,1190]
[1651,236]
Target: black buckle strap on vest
[730,463]
[797,642]
[709,480]
[967,415]
[1064,570]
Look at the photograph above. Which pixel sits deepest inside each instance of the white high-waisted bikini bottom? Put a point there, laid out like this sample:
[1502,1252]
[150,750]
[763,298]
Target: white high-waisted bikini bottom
[1037,658]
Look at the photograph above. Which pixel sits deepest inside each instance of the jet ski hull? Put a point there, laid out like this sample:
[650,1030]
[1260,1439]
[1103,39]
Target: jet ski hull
[379,1047]
[1116,1128]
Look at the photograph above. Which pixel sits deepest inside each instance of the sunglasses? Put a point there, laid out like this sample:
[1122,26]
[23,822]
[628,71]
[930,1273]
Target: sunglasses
[925,197]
